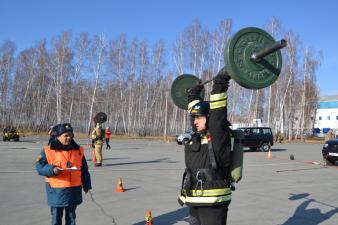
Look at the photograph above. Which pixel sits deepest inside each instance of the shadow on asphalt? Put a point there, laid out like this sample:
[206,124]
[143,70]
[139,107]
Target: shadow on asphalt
[181,214]
[272,150]
[278,149]
[165,160]
[132,188]
[312,216]
[89,160]
[115,158]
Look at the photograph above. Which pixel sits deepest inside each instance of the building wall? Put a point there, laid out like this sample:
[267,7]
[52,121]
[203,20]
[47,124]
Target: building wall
[327,113]
[326,118]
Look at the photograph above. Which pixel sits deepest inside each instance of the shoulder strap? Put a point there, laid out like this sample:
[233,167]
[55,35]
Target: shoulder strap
[211,153]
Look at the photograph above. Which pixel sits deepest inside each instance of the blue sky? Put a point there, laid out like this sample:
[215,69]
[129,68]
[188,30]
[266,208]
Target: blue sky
[315,21]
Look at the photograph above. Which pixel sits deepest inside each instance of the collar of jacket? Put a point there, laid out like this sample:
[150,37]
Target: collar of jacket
[56,144]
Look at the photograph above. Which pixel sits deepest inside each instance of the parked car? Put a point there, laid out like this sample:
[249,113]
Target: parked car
[10,133]
[257,137]
[330,151]
[183,138]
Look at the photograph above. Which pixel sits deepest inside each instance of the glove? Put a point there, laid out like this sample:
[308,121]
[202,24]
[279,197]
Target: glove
[221,82]
[194,93]
[222,77]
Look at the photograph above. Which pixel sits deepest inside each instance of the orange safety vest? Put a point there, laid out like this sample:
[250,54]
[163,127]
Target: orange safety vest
[59,158]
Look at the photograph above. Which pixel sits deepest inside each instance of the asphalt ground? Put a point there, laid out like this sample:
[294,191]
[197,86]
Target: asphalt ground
[272,191]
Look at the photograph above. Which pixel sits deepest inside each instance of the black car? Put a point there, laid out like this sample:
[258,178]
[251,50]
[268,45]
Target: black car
[257,137]
[330,151]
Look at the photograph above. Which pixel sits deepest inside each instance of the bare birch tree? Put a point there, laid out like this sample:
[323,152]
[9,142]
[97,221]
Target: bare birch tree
[97,56]
[6,65]
[81,51]
[71,78]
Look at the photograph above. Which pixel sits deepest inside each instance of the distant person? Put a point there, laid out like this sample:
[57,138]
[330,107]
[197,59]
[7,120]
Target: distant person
[7,129]
[107,137]
[330,135]
[66,173]
[279,137]
[97,141]
[51,134]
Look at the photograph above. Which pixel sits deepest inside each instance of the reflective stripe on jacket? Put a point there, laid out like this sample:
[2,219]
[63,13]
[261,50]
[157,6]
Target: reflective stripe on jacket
[208,197]
[65,159]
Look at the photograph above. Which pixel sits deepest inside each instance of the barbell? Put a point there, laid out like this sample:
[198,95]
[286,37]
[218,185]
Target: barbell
[252,58]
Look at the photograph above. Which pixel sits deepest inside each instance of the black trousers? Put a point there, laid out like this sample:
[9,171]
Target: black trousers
[216,215]
[107,143]
[57,213]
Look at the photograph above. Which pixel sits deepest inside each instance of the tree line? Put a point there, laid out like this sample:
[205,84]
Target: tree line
[70,79]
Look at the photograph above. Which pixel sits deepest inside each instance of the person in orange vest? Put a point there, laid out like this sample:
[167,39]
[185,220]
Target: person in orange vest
[107,137]
[65,169]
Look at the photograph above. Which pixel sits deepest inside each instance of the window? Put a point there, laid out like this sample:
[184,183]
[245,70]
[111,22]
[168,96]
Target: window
[247,131]
[336,117]
[255,131]
[328,117]
[320,118]
[266,131]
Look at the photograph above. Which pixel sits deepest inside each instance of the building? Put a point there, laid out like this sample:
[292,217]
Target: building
[327,113]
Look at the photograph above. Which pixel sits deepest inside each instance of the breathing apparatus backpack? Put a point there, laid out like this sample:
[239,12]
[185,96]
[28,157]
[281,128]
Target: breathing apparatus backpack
[236,163]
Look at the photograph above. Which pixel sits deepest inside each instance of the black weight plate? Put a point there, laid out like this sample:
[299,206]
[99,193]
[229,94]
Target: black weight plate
[100,117]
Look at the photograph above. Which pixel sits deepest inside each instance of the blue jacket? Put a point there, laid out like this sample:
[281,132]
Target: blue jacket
[63,197]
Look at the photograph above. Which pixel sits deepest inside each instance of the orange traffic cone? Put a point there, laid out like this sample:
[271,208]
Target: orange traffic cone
[148,218]
[269,155]
[119,187]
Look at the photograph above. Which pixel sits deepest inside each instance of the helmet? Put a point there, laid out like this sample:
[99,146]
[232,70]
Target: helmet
[200,109]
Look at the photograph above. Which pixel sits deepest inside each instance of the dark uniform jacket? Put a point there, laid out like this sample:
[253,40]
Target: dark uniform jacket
[206,180]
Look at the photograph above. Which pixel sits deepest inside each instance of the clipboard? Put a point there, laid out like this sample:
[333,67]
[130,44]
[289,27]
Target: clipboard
[71,168]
